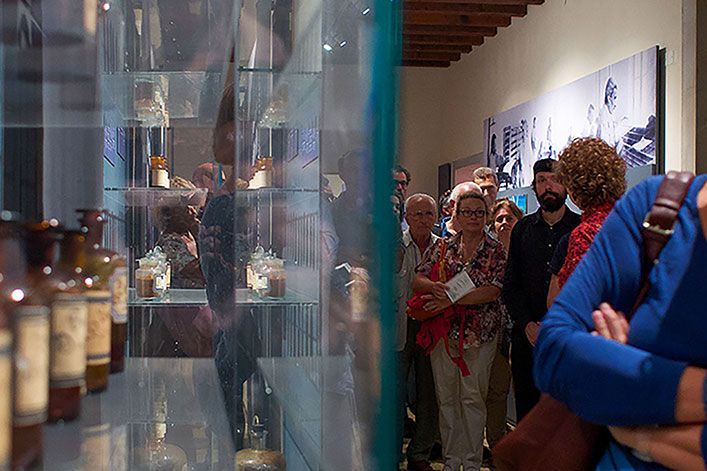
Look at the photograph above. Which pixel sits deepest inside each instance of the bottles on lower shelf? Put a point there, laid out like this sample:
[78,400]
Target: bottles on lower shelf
[258,457]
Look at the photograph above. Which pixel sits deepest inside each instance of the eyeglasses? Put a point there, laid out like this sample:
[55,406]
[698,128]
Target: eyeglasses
[420,214]
[403,183]
[467,213]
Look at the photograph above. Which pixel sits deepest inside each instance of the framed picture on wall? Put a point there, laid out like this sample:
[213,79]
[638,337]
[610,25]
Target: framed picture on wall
[619,104]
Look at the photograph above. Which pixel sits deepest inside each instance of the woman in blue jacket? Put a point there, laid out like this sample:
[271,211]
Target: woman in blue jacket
[650,385]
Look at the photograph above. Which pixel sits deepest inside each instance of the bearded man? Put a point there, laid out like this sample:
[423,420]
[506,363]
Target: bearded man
[527,278]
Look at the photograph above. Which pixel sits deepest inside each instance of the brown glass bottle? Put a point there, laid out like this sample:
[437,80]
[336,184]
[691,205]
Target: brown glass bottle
[68,320]
[29,315]
[98,270]
[10,270]
[119,313]
[118,283]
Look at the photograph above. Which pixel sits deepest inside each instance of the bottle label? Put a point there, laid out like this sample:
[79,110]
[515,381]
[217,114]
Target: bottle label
[5,396]
[31,364]
[95,446]
[98,334]
[67,365]
[160,282]
[160,178]
[119,290]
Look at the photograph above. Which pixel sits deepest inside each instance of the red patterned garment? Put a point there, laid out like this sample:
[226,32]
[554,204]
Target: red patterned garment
[582,237]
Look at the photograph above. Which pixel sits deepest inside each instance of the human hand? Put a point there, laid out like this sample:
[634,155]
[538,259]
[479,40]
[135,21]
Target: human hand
[188,240]
[610,324]
[532,330]
[636,438]
[439,290]
[433,304]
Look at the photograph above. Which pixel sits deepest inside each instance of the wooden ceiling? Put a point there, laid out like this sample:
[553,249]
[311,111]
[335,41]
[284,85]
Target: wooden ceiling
[437,32]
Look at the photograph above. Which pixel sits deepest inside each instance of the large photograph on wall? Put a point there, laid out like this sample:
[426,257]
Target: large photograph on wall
[618,103]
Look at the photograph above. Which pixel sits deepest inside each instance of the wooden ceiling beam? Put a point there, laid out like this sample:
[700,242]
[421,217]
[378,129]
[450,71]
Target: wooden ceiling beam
[437,47]
[493,20]
[460,30]
[465,8]
[442,39]
[425,63]
[430,55]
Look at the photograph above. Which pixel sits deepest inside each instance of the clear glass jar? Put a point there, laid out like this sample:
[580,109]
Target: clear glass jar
[277,278]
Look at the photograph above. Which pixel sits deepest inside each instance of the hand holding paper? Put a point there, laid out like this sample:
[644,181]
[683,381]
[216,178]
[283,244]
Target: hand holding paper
[459,286]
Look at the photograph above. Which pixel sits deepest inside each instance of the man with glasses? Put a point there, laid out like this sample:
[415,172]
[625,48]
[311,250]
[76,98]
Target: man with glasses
[420,214]
[527,278]
[401,179]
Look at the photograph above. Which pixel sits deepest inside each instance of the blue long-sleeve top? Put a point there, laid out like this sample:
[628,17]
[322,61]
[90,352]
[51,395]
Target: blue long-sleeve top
[634,384]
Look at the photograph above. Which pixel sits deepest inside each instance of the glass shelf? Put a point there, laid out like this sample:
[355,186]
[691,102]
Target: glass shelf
[174,297]
[152,197]
[273,191]
[197,297]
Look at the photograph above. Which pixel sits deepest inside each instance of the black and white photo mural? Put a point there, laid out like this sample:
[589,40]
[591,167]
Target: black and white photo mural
[617,103]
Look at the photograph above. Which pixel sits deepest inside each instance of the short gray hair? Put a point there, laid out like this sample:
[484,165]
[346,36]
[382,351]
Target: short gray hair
[465,187]
[420,196]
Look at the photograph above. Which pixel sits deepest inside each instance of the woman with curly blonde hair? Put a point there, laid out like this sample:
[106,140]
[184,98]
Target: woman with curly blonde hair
[595,177]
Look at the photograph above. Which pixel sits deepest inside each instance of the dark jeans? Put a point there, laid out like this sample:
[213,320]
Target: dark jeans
[426,413]
[526,394]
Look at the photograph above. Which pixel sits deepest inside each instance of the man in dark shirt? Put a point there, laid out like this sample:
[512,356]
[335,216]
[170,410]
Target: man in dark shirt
[527,278]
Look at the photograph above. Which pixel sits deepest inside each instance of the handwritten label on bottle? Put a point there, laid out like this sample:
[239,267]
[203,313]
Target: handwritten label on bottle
[119,291]
[5,396]
[69,319]
[31,364]
[98,334]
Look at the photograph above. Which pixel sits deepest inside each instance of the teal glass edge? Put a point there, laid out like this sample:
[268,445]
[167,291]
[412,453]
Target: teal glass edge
[387,45]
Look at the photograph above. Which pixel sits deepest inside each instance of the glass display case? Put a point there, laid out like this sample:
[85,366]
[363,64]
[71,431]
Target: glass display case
[238,156]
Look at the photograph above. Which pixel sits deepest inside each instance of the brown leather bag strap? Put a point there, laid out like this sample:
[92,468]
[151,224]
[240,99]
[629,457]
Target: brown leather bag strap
[659,224]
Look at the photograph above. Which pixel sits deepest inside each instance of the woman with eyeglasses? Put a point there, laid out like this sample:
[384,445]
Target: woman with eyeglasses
[462,338]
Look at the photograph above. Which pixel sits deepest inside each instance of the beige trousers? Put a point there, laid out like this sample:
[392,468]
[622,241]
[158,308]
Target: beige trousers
[462,408]
[497,399]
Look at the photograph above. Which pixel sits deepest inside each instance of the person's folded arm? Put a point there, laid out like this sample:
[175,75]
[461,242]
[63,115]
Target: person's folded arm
[599,379]
[481,295]
[673,446]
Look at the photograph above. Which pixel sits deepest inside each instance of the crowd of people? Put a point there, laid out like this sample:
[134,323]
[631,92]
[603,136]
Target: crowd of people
[586,269]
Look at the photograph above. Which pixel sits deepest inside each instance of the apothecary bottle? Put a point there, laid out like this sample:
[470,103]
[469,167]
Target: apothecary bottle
[24,293]
[68,320]
[98,270]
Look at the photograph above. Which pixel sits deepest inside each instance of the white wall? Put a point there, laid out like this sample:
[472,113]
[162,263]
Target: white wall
[555,44]
[421,122]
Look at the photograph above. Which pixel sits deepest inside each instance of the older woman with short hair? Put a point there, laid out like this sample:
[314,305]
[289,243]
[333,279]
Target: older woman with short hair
[468,329]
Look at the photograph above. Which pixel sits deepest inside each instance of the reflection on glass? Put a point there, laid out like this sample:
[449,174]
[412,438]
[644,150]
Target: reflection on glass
[157,454]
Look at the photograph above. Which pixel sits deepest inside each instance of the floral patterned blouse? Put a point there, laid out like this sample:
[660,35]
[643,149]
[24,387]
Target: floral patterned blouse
[483,322]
